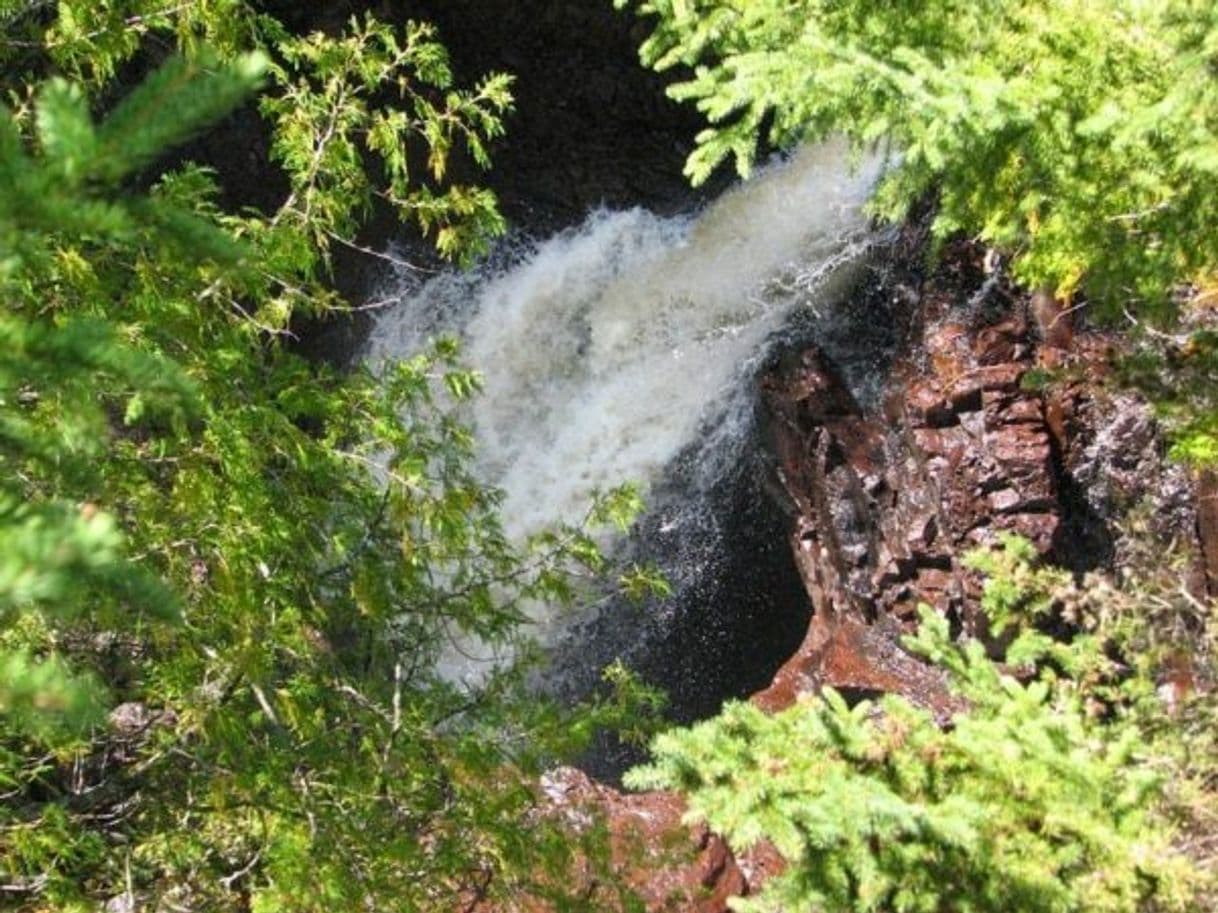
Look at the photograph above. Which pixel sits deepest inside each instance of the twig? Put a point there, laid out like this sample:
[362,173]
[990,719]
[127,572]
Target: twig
[228,880]
[364,702]
[372,305]
[26,885]
[1150,331]
[380,255]
[1066,312]
[131,22]
[258,324]
[1194,601]
[309,185]
[260,696]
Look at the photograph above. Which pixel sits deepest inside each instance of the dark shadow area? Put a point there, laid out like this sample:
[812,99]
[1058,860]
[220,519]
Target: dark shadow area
[591,126]
[719,528]
[738,608]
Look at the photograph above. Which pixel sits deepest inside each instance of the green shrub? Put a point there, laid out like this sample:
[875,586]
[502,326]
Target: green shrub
[1077,136]
[1046,794]
[252,561]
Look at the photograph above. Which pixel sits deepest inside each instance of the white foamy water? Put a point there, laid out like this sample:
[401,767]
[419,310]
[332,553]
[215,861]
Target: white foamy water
[609,349]
[606,348]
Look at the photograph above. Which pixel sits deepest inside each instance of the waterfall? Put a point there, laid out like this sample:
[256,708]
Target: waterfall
[617,350]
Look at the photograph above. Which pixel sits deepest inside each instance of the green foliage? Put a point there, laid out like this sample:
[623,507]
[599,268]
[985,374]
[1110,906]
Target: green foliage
[1178,373]
[1017,588]
[89,40]
[341,108]
[40,694]
[327,122]
[1078,136]
[60,556]
[1034,799]
[250,560]
[1146,654]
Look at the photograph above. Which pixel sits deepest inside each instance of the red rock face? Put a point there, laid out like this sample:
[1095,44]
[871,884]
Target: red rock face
[885,503]
[961,449]
[670,867]
[654,859]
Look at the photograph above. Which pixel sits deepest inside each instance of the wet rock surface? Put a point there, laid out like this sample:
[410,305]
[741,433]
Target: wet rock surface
[964,443]
[968,444]
[697,872]
[738,607]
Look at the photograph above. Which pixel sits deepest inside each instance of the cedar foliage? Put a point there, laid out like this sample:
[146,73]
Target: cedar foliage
[1078,136]
[1046,794]
[227,572]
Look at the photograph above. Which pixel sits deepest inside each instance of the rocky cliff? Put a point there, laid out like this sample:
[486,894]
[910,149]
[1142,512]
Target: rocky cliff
[985,425]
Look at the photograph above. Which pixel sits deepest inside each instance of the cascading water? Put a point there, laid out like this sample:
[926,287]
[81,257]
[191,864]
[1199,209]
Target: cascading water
[622,350]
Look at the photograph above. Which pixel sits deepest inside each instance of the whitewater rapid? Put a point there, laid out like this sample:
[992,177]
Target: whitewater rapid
[622,350]
[606,348]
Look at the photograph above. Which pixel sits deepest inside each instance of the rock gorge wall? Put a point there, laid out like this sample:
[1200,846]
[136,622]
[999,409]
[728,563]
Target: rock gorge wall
[885,500]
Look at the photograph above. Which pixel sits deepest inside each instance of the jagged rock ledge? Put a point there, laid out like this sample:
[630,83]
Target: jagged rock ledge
[885,501]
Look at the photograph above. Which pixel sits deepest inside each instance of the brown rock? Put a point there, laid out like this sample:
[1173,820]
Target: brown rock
[1003,408]
[1003,342]
[928,407]
[966,454]
[671,867]
[851,655]
[965,395]
[1004,377]
[933,585]
[920,533]
[1005,500]
[1054,321]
